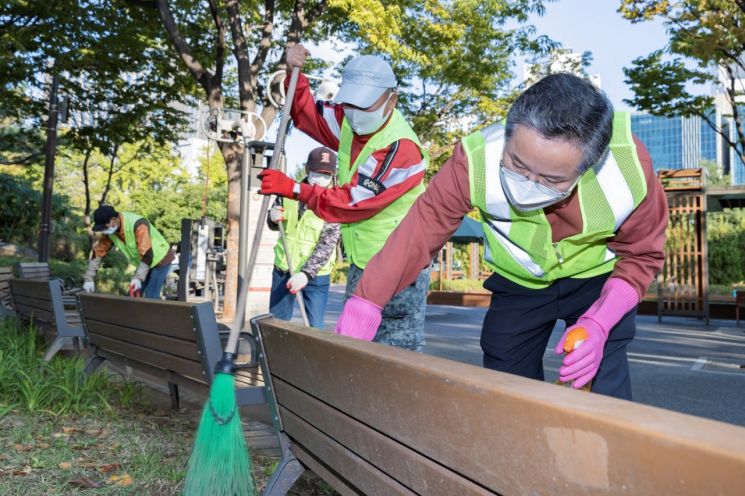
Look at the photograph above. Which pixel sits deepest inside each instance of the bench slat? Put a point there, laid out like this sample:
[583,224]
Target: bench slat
[173,363]
[44,305]
[29,288]
[39,316]
[168,318]
[408,467]
[341,460]
[156,342]
[493,428]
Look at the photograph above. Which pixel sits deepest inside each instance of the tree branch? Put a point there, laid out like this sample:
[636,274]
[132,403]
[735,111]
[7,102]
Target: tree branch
[182,47]
[240,51]
[265,43]
[110,175]
[219,43]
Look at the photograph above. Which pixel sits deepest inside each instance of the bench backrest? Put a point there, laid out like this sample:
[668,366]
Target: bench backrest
[5,274]
[381,421]
[35,271]
[161,334]
[39,301]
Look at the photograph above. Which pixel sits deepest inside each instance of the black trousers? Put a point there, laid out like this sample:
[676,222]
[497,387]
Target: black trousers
[519,321]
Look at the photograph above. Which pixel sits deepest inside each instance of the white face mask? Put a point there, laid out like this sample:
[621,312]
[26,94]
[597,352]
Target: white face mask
[364,122]
[110,230]
[319,179]
[526,195]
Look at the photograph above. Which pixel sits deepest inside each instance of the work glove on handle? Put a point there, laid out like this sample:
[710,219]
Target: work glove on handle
[297,282]
[296,56]
[89,286]
[135,288]
[359,319]
[581,365]
[277,214]
[274,182]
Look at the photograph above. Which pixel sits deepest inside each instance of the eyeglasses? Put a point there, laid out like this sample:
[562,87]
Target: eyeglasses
[548,189]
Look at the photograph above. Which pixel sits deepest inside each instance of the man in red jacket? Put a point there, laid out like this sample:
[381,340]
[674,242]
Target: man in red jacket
[381,166]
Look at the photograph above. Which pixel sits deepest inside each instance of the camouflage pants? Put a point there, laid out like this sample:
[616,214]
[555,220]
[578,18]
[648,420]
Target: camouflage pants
[403,316]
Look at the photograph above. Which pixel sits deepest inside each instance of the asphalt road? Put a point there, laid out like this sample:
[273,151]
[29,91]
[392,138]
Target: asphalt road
[679,364]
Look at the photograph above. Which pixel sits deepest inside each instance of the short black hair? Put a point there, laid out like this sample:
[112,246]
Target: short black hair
[566,107]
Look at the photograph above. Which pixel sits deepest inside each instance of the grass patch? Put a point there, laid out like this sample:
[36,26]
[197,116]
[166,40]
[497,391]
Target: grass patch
[459,285]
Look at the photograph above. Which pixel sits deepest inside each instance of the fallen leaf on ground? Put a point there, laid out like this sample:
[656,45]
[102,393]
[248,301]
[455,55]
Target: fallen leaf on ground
[4,457]
[24,471]
[60,434]
[65,465]
[102,432]
[85,482]
[70,430]
[23,448]
[111,467]
[43,445]
[120,480]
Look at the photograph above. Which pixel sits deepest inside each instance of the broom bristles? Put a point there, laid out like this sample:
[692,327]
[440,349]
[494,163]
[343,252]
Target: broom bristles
[219,464]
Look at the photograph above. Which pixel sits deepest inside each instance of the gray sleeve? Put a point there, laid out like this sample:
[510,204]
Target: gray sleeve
[93,265]
[324,249]
[141,272]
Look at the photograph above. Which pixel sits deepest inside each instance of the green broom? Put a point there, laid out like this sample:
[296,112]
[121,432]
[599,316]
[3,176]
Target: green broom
[219,464]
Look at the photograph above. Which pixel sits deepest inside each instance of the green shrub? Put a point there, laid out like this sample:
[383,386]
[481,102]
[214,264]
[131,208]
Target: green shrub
[459,285]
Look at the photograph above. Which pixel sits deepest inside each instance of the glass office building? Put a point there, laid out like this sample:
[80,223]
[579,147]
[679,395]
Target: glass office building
[676,142]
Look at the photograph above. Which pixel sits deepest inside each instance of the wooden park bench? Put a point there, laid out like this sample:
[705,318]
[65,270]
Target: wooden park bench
[376,420]
[6,305]
[178,343]
[41,303]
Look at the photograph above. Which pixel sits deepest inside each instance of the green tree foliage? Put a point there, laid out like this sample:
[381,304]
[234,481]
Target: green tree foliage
[706,37]
[725,233]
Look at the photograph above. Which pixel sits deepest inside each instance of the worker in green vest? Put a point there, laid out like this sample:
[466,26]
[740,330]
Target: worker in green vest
[143,245]
[380,172]
[311,242]
[574,219]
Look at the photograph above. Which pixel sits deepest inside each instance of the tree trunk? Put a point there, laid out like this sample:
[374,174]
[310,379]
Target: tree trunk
[87,211]
[232,155]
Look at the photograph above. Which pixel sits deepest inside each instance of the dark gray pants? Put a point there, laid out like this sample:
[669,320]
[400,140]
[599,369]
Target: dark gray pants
[519,321]
[403,316]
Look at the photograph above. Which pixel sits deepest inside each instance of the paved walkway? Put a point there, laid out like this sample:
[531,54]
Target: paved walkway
[679,364]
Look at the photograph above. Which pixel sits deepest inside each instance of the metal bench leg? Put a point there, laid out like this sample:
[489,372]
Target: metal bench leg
[93,364]
[287,472]
[56,345]
[175,400]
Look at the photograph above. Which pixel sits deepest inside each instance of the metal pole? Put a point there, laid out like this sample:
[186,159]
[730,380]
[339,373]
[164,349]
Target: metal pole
[243,223]
[50,151]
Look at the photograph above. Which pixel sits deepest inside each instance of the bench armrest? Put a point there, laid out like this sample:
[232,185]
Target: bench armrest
[244,336]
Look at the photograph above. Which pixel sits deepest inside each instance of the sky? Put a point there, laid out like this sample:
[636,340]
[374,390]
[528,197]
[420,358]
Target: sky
[581,25]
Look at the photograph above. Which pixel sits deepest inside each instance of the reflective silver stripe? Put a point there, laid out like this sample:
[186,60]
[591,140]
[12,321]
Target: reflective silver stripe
[360,194]
[368,167]
[615,188]
[397,176]
[609,255]
[330,117]
[497,204]
[520,255]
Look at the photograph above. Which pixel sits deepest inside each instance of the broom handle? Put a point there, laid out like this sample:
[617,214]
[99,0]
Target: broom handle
[298,294]
[245,283]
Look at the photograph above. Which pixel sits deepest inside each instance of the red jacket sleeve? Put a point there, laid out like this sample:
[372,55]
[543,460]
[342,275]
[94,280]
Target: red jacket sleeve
[384,177]
[321,121]
[640,241]
[432,220]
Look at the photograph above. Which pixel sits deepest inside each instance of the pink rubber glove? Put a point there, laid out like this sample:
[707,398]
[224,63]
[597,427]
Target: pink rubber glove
[359,319]
[616,299]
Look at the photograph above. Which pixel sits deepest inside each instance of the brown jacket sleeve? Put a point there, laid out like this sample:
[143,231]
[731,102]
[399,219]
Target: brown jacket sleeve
[102,247]
[640,241]
[144,242]
[431,221]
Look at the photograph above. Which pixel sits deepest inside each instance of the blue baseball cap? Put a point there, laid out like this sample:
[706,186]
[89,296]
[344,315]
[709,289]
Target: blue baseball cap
[364,79]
